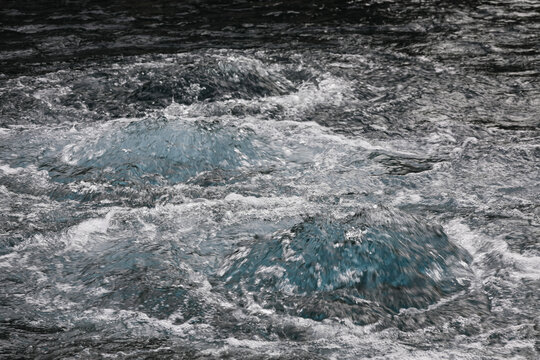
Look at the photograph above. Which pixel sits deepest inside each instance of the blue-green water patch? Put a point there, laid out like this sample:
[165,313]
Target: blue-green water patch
[391,263]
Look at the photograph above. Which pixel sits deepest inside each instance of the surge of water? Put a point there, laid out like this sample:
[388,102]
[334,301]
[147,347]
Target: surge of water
[291,181]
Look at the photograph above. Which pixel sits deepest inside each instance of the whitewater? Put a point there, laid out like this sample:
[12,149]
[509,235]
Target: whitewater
[270,181]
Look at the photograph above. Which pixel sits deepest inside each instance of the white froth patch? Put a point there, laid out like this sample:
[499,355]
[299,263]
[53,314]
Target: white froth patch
[250,344]
[262,201]
[84,234]
[7,259]
[480,245]
[328,91]
[347,277]
[143,324]
[40,176]
[274,270]
[86,187]
[7,170]
[354,233]
[406,197]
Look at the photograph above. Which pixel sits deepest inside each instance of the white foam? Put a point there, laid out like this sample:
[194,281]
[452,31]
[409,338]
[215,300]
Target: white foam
[8,170]
[479,245]
[250,344]
[84,234]
[328,91]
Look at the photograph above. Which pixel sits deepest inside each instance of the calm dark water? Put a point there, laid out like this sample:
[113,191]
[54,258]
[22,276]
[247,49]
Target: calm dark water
[264,179]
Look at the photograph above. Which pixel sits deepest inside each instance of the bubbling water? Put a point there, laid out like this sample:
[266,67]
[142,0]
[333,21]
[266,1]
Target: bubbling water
[368,262]
[150,151]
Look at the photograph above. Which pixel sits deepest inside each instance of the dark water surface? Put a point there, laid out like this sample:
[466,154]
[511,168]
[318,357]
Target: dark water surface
[265,179]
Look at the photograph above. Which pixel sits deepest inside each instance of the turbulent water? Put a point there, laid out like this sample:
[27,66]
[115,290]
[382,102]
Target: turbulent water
[242,179]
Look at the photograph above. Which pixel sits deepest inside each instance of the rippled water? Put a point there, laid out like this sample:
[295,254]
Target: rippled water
[269,180]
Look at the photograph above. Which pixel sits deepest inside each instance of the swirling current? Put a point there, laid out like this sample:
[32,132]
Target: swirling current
[270,180]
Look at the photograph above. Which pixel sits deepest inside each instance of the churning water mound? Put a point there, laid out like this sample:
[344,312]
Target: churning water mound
[357,267]
[149,152]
